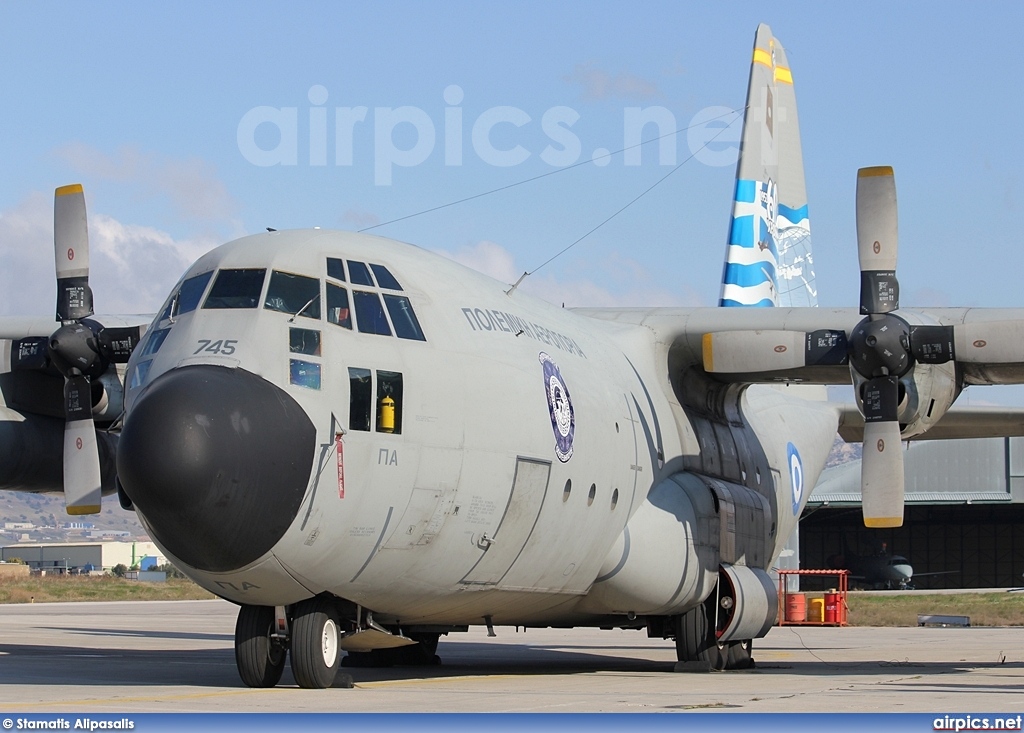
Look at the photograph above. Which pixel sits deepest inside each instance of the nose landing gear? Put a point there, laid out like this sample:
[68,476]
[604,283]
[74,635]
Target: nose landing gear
[261,647]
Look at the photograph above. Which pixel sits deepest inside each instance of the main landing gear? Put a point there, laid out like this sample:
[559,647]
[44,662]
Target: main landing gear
[312,632]
[697,641]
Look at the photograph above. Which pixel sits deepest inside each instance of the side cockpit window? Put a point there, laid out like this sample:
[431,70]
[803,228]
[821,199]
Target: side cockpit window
[375,309]
[294,294]
[370,316]
[337,306]
[236,289]
[402,315]
[384,278]
[359,273]
[336,268]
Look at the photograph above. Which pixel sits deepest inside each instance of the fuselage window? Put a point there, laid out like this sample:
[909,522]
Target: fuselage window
[304,373]
[336,268]
[236,289]
[304,341]
[384,278]
[370,316]
[154,340]
[403,317]
[359,273]
[294,294]
[360,399]
[337,306]
[389,402]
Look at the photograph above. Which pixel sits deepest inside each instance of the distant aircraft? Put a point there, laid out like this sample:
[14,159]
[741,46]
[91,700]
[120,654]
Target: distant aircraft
[366,445]
[882,570]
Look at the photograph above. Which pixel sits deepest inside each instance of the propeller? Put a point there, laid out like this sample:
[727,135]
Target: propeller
[880,347]
[81,349]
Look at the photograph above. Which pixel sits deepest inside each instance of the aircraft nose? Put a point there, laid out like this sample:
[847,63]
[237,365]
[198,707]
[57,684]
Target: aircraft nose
[905,571]
[217,461]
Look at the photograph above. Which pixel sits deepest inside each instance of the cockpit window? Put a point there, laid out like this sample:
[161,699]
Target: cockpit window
[403,317]
[336,268]
[154,340]
[384,277]
[359,273]
[337,306]
[294,294]
[186,298]
[370,316]
[236,289]
[191,292]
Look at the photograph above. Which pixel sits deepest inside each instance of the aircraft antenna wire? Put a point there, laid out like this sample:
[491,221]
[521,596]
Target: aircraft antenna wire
[561,170]
[626,206]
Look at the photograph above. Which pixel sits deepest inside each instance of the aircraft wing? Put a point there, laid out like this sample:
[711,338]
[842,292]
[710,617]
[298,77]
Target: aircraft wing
[13,328]
[813,345]
[958,422]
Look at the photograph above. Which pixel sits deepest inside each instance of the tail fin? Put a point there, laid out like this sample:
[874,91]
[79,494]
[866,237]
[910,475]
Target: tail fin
[768,258]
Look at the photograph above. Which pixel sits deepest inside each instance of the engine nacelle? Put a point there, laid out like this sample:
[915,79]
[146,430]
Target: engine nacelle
[667,558]
[926,392]
[747,603]
[32,453]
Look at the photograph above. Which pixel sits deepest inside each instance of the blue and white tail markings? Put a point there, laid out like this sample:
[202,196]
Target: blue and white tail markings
[752,257]
[768,259]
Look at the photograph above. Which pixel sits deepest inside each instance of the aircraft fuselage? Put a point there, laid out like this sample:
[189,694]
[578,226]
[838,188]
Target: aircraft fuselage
[519,441]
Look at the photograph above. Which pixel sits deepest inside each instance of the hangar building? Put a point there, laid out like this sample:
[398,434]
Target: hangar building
[76,557]
[964,519]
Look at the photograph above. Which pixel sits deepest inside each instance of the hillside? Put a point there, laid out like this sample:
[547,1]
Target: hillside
[47,517]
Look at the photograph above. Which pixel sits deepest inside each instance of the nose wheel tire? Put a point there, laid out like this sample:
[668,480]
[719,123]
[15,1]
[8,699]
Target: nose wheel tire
[315,643]
[260,659]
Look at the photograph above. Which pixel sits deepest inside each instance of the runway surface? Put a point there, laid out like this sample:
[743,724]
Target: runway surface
[179,656]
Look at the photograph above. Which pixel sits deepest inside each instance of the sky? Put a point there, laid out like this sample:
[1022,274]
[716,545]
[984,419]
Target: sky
[190,124]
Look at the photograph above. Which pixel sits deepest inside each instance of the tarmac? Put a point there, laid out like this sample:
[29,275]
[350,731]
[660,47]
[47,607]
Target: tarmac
[178,656]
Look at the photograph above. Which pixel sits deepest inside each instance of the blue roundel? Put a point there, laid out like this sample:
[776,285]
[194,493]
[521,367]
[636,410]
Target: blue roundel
[796,476]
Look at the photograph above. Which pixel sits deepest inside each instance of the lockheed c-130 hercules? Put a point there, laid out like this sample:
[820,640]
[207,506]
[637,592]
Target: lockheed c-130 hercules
[302,432]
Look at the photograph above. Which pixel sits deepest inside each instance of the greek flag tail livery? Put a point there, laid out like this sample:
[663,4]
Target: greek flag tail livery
[768,259]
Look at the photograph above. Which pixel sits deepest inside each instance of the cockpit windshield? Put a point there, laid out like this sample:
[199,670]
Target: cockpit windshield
[237,289]
[294,294]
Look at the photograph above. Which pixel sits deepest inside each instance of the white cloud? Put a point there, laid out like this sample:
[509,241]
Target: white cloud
[599,84]
[132,268]
[191,185]
[359,218]
[637,286]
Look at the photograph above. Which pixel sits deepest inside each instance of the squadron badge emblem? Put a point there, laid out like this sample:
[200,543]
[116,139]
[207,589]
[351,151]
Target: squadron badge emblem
[563,419]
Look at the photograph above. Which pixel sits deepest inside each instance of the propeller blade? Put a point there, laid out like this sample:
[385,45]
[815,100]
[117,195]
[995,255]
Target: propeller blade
[117,344]
[881,479]
[82,480]
[932,344]
[994,342]
[739,352]
[29,354]
[71,254]
[877,241]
